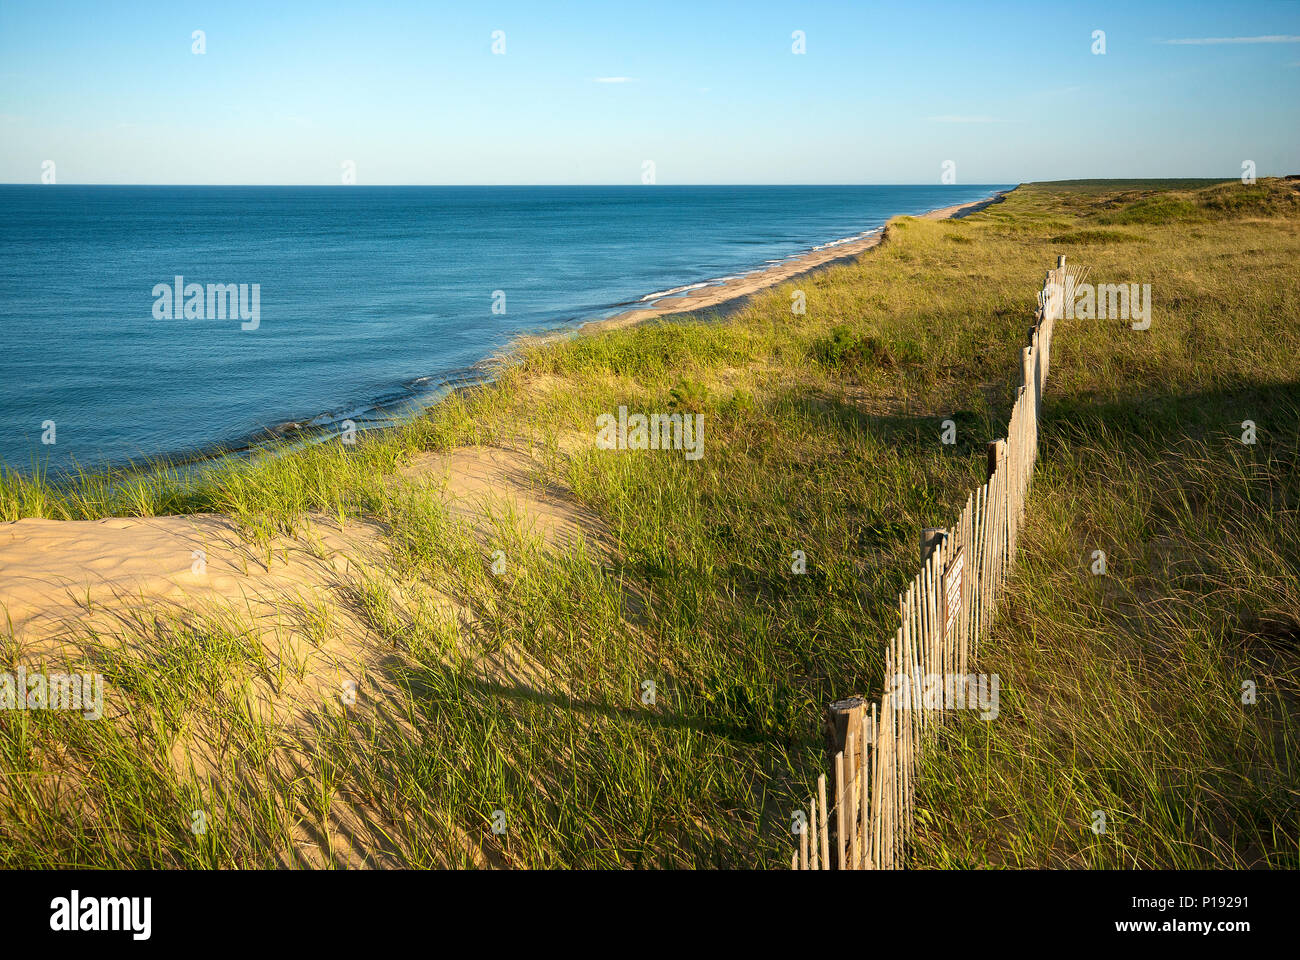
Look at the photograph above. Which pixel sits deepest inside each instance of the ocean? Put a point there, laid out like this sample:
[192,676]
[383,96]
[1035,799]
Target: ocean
[357,302]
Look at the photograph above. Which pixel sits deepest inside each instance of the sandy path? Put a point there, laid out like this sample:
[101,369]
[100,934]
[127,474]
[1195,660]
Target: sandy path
[751,283]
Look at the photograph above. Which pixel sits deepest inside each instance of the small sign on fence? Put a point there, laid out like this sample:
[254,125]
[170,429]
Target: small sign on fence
[952,589]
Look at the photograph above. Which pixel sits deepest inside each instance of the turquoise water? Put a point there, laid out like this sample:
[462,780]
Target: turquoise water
[368,299]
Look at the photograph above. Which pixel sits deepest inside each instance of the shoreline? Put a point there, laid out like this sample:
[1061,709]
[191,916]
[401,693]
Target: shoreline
[756,281]
[285,435]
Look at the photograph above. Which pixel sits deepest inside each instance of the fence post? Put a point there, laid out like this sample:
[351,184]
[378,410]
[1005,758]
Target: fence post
[844,717]
[931,537]
[995,454]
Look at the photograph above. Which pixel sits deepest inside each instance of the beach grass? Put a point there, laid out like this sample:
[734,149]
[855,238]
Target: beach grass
[1120,693]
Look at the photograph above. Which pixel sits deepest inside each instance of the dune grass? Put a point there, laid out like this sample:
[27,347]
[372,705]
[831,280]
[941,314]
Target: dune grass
[822,436]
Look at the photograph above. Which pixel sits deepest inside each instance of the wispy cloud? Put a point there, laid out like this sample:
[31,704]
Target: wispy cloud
[952,118]
[616,79]
[1273,38]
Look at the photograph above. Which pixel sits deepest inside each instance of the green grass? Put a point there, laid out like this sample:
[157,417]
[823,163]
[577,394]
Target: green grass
[822,435]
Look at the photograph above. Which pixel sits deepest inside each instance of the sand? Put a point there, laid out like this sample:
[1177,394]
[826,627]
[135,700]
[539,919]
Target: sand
[54,574]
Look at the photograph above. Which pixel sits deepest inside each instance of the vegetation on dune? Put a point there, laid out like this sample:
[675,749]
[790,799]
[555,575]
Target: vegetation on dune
[1120,693]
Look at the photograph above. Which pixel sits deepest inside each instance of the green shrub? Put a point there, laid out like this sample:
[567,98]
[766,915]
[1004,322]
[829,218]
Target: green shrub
[848,349]
[689,396]
[1083,237]
[1160,209]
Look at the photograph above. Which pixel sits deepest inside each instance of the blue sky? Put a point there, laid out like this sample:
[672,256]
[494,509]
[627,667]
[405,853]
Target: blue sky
[710,92]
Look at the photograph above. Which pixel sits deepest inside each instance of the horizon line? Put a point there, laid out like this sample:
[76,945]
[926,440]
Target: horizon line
[631,186]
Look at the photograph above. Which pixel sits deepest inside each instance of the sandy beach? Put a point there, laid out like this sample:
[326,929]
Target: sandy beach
[751,283]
